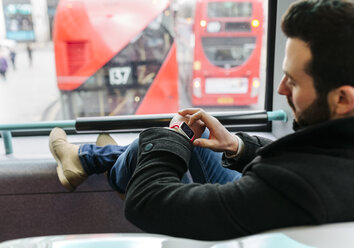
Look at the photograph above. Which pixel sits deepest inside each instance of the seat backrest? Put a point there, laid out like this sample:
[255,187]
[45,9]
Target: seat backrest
[34,203]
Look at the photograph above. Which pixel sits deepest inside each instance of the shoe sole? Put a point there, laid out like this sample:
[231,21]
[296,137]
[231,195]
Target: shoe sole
[60,171]
[105,139]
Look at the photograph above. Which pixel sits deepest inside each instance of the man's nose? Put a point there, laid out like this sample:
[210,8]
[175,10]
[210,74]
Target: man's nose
[283,88]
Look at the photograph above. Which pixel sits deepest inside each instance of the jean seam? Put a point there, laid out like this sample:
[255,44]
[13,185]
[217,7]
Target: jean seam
[202,166]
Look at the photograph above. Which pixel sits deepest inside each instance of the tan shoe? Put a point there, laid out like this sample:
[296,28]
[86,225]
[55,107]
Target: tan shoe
[69,169]
[105,139]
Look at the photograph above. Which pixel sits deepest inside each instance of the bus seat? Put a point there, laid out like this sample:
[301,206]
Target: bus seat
[34,203]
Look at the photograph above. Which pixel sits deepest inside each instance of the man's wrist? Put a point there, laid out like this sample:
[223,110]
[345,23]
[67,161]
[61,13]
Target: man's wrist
[184,129]
[240,148]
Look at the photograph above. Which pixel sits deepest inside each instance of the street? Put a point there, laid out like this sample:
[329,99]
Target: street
[29,90]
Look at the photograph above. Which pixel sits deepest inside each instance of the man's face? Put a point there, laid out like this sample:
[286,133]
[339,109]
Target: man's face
[298,86]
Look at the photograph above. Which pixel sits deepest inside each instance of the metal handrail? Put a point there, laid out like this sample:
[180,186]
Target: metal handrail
[136,122]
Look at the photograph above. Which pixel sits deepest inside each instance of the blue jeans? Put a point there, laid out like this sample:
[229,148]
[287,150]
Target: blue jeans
[120,161]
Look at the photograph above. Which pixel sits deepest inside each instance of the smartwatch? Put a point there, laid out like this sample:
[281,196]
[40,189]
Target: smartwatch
[184,129]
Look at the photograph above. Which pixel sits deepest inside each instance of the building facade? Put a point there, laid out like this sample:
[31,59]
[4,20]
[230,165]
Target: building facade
[27,20]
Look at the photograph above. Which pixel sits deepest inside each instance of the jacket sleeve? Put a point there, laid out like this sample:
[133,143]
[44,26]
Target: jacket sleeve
[157,202]
[252,144]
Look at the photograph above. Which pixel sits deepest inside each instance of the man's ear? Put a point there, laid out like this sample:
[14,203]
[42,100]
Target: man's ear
[341,101]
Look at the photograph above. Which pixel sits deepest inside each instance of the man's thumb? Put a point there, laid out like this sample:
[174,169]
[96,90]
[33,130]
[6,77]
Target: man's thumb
[201,142]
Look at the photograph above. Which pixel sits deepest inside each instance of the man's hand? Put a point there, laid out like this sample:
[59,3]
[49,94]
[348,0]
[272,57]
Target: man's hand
[220,139]
[198,127]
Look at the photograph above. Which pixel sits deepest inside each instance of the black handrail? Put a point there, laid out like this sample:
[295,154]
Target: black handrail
[127,122]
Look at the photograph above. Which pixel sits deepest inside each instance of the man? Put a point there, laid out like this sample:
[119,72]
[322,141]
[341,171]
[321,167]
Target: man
[304,178]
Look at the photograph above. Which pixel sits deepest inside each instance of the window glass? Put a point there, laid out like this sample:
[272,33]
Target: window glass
[229,9]
[64,59]
[227,52]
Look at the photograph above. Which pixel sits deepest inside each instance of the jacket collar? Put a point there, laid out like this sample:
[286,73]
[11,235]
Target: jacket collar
[330,134]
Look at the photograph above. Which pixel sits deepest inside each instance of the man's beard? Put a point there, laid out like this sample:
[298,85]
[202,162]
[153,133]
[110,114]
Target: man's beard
[317,112]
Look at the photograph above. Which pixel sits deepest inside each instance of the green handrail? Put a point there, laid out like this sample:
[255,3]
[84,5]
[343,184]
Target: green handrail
[277,115]
[38,125]
[7,128]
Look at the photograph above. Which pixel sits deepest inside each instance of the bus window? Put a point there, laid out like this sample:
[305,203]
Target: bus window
[85,58]
[227,52]
[229,9]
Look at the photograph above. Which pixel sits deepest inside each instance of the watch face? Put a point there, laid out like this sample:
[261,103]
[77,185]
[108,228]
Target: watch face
[187,130]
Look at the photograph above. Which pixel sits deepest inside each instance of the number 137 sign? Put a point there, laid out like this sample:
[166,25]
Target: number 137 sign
[119,75]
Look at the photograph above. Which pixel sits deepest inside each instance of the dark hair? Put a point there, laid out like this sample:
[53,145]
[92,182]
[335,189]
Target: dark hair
[327,26]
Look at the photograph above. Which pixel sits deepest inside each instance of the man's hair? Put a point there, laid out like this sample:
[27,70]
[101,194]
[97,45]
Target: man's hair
[327,26]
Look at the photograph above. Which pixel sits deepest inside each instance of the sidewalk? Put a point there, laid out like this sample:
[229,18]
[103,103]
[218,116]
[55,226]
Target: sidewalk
[29,90]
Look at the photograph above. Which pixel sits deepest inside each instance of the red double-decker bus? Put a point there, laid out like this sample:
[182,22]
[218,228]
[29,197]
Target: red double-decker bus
[227,52]
[115,57]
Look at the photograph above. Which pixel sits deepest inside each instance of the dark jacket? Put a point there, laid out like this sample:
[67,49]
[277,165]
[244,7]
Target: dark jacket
[304,178]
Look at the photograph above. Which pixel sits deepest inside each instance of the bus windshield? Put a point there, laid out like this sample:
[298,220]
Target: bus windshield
[222,44]
[228,52]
